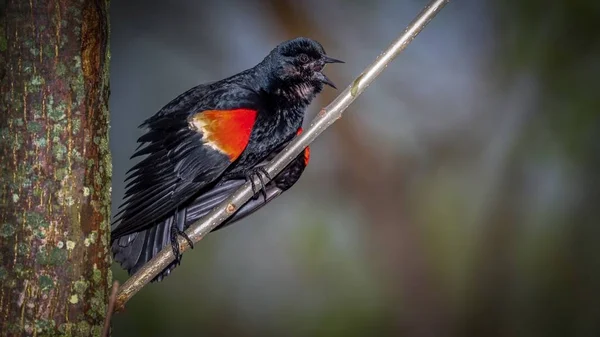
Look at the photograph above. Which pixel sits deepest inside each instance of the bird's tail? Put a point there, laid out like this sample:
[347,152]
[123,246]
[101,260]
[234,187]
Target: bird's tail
[134,250]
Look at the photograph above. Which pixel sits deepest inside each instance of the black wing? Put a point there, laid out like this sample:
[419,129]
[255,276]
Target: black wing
[179,161]
[168,176]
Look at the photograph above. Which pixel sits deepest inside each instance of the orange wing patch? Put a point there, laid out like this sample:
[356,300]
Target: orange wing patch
[227,131]
[306,150]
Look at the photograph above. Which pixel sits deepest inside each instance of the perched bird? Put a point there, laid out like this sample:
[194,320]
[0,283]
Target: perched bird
[210,140]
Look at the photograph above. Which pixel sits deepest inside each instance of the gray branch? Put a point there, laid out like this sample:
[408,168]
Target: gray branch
[322,121]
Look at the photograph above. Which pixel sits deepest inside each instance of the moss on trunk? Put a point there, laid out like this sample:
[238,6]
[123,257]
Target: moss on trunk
[55,167]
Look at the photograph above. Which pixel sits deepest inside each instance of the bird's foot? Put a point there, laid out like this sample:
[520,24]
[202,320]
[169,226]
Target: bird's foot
[175,232]
[261,173]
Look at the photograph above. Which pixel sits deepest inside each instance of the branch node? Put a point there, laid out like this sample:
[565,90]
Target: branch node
[356,85]
[230,208]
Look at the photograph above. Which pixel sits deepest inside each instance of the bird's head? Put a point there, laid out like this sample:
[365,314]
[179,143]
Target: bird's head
[298,65]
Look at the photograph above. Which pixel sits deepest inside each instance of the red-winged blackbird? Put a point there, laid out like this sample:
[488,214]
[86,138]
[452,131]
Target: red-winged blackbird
[210,140]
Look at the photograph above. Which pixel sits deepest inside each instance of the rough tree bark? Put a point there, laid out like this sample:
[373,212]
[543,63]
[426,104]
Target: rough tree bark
[55,167]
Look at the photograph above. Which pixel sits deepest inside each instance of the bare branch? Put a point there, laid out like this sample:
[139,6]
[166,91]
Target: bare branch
[322,121]
[110,309]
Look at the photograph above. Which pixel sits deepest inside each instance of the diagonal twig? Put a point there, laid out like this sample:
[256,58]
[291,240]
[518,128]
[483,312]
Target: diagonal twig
[110,309]
[322,121]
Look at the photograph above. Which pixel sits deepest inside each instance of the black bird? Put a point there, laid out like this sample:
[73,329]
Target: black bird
[208,141]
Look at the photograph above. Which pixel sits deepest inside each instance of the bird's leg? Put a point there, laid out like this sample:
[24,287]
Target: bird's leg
[180,225]
[176,230]
[261,173]
[175,244]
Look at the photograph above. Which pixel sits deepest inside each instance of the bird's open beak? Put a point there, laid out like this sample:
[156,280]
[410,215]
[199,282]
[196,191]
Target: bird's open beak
[324,79]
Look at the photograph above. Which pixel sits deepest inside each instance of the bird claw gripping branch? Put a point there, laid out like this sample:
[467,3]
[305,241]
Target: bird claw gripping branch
[261,174]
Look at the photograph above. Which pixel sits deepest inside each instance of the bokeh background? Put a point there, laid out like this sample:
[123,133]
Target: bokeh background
[459,196]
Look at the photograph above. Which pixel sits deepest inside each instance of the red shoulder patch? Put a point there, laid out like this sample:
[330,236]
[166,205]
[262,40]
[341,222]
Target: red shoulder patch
[306,150]
[306,156]
[227,131]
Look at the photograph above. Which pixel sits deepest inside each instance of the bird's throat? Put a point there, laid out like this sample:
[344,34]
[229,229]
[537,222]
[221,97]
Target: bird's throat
[298,95]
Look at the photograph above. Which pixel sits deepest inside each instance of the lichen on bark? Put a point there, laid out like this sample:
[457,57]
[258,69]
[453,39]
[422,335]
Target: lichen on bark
[55,169]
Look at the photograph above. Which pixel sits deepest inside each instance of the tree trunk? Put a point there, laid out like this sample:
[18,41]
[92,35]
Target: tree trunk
[55,167]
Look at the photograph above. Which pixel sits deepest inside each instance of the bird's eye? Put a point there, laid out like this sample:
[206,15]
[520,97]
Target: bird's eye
[303,58]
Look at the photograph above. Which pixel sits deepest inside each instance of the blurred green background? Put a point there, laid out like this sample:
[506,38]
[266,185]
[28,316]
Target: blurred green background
[459,196]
